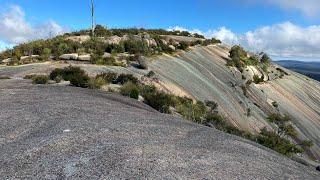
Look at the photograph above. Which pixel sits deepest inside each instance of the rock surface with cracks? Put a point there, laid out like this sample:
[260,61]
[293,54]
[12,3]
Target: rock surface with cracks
[61,132]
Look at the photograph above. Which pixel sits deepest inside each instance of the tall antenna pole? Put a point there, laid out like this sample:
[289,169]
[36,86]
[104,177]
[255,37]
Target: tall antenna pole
[92,18]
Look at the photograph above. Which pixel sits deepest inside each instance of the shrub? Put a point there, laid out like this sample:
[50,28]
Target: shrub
[29,76]
[109,77]
[130,89]
[151,74]
[67,73]
[183,45]
[101,31]
[159,101]
[265,59]
[123,78]
[189,110]
[257,79]
[273,141]
[45,55]
[96,83]
[80,81]
[135,46]
[40,79]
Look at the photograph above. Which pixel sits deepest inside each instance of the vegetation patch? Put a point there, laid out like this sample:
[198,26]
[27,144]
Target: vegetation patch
[40,79]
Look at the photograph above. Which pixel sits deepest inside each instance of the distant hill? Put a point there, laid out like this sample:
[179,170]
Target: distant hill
[310,69]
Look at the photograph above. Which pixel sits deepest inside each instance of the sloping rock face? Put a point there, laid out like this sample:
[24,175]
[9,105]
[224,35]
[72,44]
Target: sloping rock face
[58,132]
[202,72]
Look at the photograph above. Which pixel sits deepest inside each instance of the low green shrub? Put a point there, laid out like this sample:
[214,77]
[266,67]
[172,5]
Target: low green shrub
[108,77]
[257,79]
[96,83]
[130,89]
[159,101]
[40,79]
[123,78]
[67,73]
[273,141]
[80,81]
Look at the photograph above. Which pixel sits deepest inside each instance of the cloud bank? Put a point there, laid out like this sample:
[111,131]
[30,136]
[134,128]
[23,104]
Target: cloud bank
[285,40]
[15,29]
[309,8]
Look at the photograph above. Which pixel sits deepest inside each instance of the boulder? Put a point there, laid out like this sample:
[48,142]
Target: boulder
[172,47]
[80,39]
[106,55]
[151,42]
[86,57]
[25,57]
[6,60]
[73,56]
[113,40]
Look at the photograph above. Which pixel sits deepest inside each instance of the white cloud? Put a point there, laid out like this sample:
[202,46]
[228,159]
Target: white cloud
[15,29]
[285,40]
[310,8]
[179,28]
[224,34]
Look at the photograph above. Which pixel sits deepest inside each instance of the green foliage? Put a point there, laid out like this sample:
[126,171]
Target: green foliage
[183,45]
[40,79]
[123,78]
[196,35]
[101,31]
[238,55]
[159,101]
[96,83]
[130,89]
[274,141]
[135,46]
[210,41]
[80,81]
[108,77]
[67,73]
[283,124]
[265,59]
[306,144]
[257,79]
[45,55]
[190,110]
[151,74]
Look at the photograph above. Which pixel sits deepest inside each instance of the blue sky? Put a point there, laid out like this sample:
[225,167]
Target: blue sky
[283,28]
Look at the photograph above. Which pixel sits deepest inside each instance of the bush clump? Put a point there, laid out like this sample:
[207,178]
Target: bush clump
[96,83]
[130,89]
[40,79]
[123,78]
[109,77]
[80,81]
[159,101]
[75,75]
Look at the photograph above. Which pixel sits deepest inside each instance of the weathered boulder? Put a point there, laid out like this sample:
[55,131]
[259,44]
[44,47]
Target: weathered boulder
[113,40]
[6,60]
[151,42]
[73,56]
[106,55]
[79,39]
[86,57]
[172,47]
[25,57]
